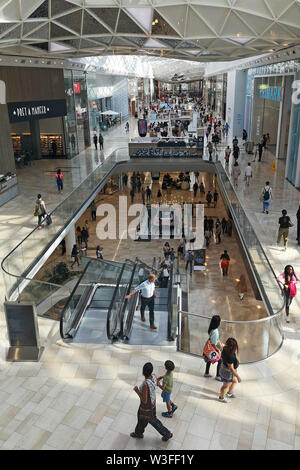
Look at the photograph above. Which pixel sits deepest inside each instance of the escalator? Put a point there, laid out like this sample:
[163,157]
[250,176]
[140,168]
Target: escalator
[97,311]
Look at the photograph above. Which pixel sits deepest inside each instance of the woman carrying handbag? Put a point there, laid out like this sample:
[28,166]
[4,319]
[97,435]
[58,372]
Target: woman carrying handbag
[289,280]
[213,343]
[147,409]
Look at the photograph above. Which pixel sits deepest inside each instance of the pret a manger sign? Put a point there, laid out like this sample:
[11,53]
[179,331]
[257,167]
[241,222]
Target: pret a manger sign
[27,111]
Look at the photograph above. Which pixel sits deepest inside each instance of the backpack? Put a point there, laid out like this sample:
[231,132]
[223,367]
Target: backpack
[266,194]
[37,209]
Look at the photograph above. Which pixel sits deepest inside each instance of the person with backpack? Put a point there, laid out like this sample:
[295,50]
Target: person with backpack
[40,210]
[59,181]
[284,225]
[266,197]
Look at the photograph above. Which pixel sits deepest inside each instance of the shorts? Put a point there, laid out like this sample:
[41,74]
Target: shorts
[226,381]
[166,397]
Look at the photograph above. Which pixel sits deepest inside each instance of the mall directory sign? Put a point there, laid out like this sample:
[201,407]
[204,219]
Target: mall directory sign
[23,332]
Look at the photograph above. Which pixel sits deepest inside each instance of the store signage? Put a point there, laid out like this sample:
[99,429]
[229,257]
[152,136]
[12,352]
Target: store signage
[270,92]
[76,88]
[28,111]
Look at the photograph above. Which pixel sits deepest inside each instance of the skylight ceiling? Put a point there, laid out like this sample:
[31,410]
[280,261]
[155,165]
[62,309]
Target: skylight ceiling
[197,30]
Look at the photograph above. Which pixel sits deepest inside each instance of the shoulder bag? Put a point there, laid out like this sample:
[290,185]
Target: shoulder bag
[146,410]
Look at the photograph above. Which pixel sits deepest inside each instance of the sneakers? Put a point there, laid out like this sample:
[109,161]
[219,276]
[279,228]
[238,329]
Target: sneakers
[224,400]
[174,407]
[218,378]
[231,395]
[137,436]
[207,375]
[288,319]
[166,414]
[153,327]
[165,439]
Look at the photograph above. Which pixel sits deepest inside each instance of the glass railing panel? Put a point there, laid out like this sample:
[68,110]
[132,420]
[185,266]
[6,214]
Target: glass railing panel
[118,300]
[38,240]
[257,339]
[261,264]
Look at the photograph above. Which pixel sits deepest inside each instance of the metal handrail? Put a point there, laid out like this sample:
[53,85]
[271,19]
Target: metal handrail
[258,320]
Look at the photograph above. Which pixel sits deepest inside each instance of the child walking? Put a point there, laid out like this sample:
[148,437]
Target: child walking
[167,387]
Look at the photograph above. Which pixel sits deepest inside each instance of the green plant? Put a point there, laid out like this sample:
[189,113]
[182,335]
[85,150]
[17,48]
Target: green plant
[60,274]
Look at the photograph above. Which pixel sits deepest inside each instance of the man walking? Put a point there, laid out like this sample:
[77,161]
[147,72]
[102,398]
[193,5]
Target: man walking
[208,198]
[284,225]
[216,196]
[189,261]
[266,196]
[101,141]
[248,174]
[148,294]
[95,140]
[148,193]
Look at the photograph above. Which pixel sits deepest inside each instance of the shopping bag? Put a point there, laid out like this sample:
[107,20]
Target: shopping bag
[48,219]
[211,352]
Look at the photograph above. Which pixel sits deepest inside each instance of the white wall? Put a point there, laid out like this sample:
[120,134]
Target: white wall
[235,106]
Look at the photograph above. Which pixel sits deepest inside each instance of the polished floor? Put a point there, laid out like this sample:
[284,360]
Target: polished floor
[80,397]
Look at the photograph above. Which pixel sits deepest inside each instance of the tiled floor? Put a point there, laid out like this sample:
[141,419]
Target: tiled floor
[82,397]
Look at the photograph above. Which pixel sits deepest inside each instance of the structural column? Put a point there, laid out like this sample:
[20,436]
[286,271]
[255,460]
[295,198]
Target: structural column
[35,138]
[7,160]
[70,240]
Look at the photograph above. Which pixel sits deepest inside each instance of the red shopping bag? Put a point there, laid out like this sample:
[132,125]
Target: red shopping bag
[211,352]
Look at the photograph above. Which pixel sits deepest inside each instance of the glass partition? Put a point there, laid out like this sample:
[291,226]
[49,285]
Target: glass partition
[257,339]
[264,274]
[22,259]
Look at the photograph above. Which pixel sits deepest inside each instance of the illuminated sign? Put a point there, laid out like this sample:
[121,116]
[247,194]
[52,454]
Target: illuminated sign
[270,92]
[76,88]
[28,111]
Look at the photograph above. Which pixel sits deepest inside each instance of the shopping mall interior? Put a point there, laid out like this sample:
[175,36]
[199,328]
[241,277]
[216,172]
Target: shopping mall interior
[138,139]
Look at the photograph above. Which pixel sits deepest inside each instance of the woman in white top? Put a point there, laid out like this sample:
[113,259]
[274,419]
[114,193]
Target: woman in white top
[248,174]
[235,174]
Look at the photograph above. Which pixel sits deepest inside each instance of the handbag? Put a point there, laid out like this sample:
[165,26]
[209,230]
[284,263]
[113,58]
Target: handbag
[146,410]
[211,352]
[48,219]
[292,289]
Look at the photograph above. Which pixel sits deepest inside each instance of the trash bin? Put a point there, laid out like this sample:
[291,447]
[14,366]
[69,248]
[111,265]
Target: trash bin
[249,147]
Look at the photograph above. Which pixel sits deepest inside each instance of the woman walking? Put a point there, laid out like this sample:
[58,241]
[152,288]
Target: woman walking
[214,336]
[236,171]
[241,286]
[147,408]
[228,373]
[289,280]
[59,181]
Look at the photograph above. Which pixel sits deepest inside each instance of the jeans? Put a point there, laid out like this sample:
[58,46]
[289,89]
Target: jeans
[288,300]
[266,205]
[156,423]
[150,302]
[40,217]
[189,262]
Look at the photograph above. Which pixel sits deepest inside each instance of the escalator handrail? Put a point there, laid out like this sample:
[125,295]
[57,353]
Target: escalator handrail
[170,304]
[147,266]
[109,334]
[124,305]
[63,336]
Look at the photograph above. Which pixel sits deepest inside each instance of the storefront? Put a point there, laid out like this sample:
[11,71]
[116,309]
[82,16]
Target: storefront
[76,122]
[36,111]
[269,109]
[215,93]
